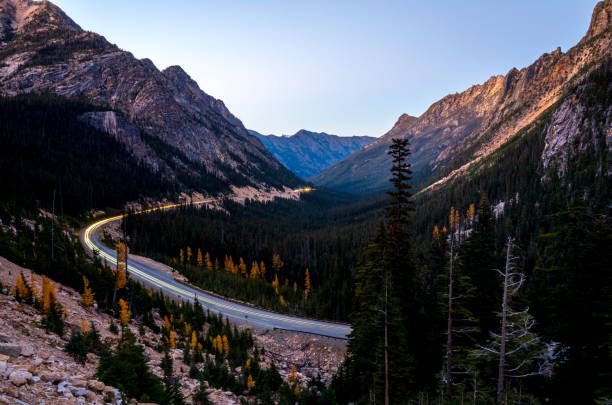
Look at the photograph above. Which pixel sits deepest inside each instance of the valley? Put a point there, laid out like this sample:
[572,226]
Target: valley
[153,250]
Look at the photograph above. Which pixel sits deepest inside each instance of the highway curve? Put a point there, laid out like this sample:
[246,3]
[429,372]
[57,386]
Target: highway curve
[235,312]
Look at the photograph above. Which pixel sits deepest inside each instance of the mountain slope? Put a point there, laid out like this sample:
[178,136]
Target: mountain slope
[461,129]
[43,51]
[307,153]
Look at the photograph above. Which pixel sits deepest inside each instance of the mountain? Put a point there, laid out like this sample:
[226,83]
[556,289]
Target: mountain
[307,153]
[462,129]
[161,117]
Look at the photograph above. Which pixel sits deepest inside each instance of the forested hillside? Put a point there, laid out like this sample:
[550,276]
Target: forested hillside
[57,153]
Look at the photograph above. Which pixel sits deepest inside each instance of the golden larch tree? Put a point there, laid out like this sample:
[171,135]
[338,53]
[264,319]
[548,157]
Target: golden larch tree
[226,346]
[275,284]
[124,312]
[172,341]
[21,289]
[208,262]
[307,285]
[254,270]
[242,267]
[293,377]
[189,254]
[250,382]
[262,269]
[49,295]
[181,256]
[194,340]
[200,258]
[87,298]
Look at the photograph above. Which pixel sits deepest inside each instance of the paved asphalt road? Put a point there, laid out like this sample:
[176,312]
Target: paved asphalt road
[238,313]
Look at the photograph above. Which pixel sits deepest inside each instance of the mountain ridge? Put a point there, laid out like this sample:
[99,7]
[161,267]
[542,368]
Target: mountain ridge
[306,153]
[462,128]
[43,51]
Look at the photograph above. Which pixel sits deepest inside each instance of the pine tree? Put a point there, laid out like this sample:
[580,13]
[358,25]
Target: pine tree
[572,300]
[478,259]
[277,263]
[382,360]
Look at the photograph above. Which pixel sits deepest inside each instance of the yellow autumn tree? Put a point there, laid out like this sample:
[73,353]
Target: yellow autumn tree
[262,269]
[189,254]
[218,344]
[247,365]
[194,340]
[121,276]
[436,233]
[167,323]
[181,256]
[307,285]
[200,258]
[293,377]
[49,295]
[254,270]
[275,284]
[250,382]
[282,300]
[172,341]
[226,346]
[242,267]
[87,298]
[471,212]
[124,312]
[21,290]
[208,262]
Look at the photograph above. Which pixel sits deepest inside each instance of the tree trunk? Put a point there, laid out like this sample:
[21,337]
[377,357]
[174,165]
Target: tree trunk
[386,343]
[449,328]
[504,321]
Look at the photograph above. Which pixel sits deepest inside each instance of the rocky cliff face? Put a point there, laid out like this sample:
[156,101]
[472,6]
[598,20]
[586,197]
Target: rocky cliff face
[43,50]
[307,153]
[461,129]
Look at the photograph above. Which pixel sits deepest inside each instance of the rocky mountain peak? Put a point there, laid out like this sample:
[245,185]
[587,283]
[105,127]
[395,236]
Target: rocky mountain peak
[601,19]
[19,13]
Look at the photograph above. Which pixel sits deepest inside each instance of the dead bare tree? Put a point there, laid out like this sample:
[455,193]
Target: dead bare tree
[520,352]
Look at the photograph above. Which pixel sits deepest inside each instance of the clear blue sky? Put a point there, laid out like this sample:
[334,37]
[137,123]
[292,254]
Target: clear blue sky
[341,66]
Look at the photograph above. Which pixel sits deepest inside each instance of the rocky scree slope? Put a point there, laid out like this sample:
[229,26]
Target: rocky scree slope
[162,116]
[307,153]
[461,129]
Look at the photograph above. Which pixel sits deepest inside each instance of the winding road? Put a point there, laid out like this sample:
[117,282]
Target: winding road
[235,312]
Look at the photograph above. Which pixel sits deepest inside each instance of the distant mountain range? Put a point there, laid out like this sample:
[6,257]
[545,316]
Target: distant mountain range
[161,117]
[307,153]
[456,134]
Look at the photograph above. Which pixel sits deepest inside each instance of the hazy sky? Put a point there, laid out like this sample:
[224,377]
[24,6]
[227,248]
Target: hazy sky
[340,66]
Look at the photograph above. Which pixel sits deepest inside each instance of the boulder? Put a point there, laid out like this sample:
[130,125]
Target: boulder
[20,377]
[96,385]
[10,350]
[27,351]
